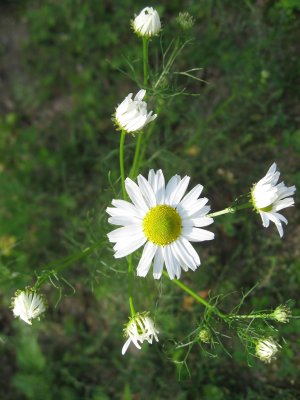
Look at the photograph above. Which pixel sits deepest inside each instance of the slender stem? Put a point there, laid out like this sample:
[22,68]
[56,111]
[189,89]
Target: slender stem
[145,60]
[252,316]
[135,163]
[130,284]
[147,137]
[197,297]
[122,170]
[230,210]
[64,263]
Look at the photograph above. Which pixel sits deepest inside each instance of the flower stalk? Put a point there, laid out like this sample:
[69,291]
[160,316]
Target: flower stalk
[136,158]
[122,170]
[145,60]
[230,210]
[200,299]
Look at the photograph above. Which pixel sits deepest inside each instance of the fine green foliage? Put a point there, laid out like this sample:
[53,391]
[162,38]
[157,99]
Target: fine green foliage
[227,105]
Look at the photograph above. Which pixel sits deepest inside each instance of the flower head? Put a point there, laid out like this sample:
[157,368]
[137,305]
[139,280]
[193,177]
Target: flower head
[27,304]
[163,219]
[185,21]
[282,314]
[205,335]
[131,115]
[268,198]
[147,23]
[139,328]
[266,349]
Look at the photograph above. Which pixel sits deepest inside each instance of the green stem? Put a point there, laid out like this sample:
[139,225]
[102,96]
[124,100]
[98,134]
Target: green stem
[230,210]
[64,263]
[146,138]
[197,297]
[130,285]
[252,316]
[135,163]
[122,140]
[145,60]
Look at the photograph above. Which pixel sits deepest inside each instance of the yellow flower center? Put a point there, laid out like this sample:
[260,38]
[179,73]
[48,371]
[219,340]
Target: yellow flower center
[162,225]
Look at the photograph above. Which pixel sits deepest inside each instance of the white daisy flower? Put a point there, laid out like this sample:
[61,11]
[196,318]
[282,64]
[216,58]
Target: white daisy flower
[268,198]
[131,115]
[147,23]
[140,328]
[266,349]
[163,219]
[27,304]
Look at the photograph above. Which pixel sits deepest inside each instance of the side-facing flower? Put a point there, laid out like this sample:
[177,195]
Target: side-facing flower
[163,219]
[266,349]
[28,305]
[268,198]
[131,115]
[147,23]
[282,314]
[139,328]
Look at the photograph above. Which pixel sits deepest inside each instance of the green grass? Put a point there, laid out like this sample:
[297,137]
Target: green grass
[59,171]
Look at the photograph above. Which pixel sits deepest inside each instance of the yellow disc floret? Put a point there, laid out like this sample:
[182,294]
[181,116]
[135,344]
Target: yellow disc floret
[162,225]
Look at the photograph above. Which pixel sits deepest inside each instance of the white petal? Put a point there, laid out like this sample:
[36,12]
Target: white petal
[130,248]
[140,95]
[147,191]
[171,186]
[125,232]
[179,191]
[167,255]
[186,257]
[146,259]
[158,263]
[202,221]
[126,345]
[190,249]
[135,195]
[123,220]
[197,234]
[265,219]
[191,196]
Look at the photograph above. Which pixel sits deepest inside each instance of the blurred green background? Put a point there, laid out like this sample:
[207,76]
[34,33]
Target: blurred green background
[65,65]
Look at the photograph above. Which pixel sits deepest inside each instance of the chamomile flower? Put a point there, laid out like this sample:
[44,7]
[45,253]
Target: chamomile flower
[147,23]
[160,217]
[266,349]
[28,304]
[139,328]
[269,197]
[132,115]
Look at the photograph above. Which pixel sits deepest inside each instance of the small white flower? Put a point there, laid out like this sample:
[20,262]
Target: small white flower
[131,115]
[282,314]
[140,328]
[163,219]
[147,23]
[266,349]
[268,198]
[27,304]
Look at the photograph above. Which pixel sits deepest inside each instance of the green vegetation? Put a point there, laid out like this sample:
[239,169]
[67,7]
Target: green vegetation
[65,66]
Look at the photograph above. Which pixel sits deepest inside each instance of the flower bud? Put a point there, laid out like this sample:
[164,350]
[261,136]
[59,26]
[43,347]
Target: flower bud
[266,349]
[205,335]
[147,23]
[282,314]
[28,304]
[185,21]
